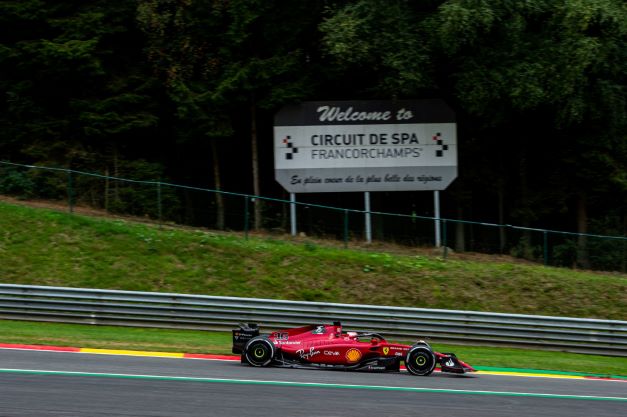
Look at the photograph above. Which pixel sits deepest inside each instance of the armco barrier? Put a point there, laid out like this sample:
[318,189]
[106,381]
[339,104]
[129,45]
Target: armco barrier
[182,311]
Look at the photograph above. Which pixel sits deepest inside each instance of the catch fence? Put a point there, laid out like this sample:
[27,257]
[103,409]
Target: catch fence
[162,202]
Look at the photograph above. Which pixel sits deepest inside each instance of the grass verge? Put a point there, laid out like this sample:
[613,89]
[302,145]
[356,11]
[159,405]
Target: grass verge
[188,341]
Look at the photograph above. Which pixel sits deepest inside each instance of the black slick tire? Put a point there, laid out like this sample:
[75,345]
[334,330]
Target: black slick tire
[420,360]
[259,351]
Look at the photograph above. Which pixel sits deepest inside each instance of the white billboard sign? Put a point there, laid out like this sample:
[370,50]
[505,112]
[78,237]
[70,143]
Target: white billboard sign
[342,146]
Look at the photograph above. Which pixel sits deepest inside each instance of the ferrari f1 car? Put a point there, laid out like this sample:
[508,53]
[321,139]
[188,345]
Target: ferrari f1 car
[328,346]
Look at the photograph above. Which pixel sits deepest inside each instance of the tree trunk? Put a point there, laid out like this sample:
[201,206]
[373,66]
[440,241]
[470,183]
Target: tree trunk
[501,208]
[116,174]
[460,233]
[623,264]
[526,249]
[583,260]
[255,160]
[218,186]
[189,216]
[285,214]
[106,193]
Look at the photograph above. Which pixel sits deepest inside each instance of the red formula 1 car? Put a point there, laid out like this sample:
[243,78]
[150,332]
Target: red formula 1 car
[327,346]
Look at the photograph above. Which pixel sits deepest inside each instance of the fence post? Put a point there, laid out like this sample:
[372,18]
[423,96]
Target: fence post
[246,214]
[70,191]
[345,229]
[444,241]
[545,251]
[159,203]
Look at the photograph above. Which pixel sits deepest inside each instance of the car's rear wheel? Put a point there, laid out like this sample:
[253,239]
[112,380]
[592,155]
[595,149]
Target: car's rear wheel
[420,360]
[259,351]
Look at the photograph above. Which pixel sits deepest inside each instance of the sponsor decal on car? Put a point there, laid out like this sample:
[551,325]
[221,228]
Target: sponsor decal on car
[353,355]
[331,353]
[386,350]
[307,355]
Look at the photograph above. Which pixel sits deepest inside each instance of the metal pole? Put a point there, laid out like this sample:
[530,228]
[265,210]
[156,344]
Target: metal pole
[293,213]
[367,217]
[436,208]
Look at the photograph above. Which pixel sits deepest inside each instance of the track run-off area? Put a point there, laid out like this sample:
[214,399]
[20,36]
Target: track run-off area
[51,381]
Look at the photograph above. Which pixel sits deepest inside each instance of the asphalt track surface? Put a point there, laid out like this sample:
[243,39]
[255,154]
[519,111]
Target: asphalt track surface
[43,384]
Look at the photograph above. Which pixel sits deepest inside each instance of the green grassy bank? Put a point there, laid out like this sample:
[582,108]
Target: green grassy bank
[47,247]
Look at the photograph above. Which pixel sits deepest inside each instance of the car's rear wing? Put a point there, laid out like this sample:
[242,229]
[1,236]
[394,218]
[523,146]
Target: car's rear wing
[242,335]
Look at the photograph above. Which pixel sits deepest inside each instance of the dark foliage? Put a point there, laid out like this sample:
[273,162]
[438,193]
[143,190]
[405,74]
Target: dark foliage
[171,90]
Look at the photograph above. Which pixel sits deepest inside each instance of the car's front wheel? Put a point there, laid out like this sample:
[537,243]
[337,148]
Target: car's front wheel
[420,360]
[259,351]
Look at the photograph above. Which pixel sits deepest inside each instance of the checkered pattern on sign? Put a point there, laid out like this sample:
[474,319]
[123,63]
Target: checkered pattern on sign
[442,147]
[291,149]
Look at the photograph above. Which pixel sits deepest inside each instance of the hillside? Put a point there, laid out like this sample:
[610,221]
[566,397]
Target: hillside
[46,247]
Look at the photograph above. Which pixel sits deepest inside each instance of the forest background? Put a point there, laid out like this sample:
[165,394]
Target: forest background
[185,91]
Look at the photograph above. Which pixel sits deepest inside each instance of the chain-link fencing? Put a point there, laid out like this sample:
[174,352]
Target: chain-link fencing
[163,202]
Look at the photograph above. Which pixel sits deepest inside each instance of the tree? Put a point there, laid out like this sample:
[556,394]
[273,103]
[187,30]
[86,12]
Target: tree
[558,67]
[387,39]
[220,57]
[180,38]
[544,80]
[71,92]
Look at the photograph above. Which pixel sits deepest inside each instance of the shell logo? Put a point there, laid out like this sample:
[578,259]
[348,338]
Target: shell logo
[353,355]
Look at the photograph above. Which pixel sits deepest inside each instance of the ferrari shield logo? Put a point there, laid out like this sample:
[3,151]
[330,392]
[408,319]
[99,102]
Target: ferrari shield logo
[386,350]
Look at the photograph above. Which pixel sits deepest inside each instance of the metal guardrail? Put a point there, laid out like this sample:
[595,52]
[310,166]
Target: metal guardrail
[182,311]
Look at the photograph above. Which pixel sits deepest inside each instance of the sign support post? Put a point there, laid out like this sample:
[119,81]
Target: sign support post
[293,213]
[367,217]
[436,209]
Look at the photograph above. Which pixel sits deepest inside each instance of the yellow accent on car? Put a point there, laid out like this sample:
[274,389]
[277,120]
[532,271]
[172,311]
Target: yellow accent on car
[353,355]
